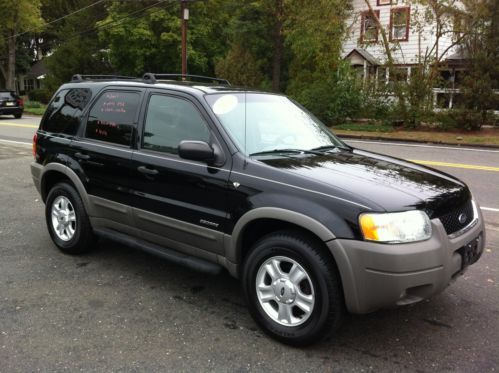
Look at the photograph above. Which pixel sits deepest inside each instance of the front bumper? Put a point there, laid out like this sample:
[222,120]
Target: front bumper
[378,275]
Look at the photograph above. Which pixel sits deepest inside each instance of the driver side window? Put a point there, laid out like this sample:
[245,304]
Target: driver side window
[170,120]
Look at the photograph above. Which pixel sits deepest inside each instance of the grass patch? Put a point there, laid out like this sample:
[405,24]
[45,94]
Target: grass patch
[364,127]
[34,107]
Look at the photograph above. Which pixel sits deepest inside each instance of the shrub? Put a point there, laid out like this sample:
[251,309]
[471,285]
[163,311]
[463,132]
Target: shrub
[42,95]
[32,104]
[466,119]
[333,96]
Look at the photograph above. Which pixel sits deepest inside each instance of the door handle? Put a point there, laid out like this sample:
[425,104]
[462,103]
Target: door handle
[147,171]
[82,156]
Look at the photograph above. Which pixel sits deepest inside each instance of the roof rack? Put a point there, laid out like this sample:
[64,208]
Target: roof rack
[153,78]
[81,78]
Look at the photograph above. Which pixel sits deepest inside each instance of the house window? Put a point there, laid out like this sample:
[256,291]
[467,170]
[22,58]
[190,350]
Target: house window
[369,27]
[381,76]
[386,2]
[29,85]
[399,24]
[398,75]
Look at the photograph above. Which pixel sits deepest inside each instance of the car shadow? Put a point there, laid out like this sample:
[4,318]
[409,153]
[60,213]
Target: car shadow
[397,337]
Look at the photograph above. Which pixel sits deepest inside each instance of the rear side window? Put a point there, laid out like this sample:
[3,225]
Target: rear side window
[170,120]
[64,111]
[112,117]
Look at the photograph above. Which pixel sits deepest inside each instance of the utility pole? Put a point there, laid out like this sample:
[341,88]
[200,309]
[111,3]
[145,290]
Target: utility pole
[184,13]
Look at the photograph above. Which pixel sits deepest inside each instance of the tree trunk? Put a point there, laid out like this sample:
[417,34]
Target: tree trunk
[11,64]
[390,61]
[278,46]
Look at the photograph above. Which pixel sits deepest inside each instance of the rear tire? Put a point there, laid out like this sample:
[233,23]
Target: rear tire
[67,220]
[293,288]
[18,116]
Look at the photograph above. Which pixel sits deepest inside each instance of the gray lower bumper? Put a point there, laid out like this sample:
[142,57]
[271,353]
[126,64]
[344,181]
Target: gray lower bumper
[36,174]
[385,275]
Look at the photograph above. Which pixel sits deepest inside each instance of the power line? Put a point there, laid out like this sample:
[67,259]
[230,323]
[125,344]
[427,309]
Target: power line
[114,23]
[117,22]
[58,19]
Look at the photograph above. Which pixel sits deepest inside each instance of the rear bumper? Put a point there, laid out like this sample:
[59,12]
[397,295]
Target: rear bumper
[36,175]
[11,110]
[378,276]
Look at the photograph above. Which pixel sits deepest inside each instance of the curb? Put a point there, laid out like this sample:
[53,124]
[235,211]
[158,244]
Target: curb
[391,139]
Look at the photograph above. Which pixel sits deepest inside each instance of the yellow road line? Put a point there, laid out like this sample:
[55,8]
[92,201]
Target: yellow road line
[17,125]
[457,165]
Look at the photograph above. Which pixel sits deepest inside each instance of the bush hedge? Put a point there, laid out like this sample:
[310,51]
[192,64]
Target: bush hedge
[42,95]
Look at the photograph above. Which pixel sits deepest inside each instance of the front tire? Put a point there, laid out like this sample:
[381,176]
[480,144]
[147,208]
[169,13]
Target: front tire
[293,289]
[67,220]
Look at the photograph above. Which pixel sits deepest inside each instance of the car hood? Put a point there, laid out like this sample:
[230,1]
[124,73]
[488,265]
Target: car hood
[392,183]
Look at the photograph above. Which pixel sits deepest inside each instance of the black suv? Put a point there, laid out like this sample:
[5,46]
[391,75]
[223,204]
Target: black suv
[212,176]
[11,103]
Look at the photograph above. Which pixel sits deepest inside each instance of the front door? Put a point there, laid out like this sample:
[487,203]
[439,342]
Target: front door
[180,204]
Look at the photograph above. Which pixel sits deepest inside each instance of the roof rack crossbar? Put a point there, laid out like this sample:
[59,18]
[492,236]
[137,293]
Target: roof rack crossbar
[80,77]
[153,77]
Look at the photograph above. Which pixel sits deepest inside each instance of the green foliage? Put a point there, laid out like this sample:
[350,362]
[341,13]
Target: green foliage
[481,45]
[73,41]
[333,97]
[248,61]
[31,104]
[40,95]
[241,68]
[16,17]
[314,33]
[34,107]
[151,41]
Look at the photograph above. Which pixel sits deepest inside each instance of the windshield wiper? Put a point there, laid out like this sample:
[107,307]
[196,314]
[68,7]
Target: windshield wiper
[326,148]
[297,151]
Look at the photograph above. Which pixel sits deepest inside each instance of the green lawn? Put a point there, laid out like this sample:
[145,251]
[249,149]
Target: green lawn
[34,108]
[488,136]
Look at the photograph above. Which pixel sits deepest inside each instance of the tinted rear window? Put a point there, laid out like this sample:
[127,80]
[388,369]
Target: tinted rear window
[7,95]
[64,111]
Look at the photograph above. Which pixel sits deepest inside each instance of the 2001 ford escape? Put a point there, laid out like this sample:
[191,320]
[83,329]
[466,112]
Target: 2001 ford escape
[213,176]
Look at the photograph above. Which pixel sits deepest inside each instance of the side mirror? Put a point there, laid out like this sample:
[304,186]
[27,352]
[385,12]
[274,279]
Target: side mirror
[196,151]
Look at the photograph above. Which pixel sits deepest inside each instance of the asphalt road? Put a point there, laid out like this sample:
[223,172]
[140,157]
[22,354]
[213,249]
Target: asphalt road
[121,310]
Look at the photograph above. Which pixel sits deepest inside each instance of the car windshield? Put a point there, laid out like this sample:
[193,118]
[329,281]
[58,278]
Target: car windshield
[263,124]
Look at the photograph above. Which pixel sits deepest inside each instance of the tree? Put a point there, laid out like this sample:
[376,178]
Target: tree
[16,17]
[314,32]
[153,40]
[481,47]
[71,43]
[415,97]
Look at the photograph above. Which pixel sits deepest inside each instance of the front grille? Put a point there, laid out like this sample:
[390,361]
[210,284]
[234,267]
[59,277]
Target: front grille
[451,222]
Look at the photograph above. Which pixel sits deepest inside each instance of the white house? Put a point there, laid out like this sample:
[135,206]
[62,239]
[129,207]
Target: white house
[411,32]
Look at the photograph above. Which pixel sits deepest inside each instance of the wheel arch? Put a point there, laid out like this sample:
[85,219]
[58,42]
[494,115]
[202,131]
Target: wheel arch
[54,173]
[266,220]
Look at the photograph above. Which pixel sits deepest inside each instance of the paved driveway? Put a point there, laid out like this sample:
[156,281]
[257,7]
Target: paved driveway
[121,310]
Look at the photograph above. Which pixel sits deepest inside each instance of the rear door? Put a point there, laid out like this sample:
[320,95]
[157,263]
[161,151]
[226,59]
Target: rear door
[103,154]
[179,203]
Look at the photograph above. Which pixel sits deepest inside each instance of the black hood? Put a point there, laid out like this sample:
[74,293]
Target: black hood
[392,183]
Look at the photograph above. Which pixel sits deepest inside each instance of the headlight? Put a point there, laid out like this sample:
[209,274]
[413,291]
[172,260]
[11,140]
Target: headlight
[408,226]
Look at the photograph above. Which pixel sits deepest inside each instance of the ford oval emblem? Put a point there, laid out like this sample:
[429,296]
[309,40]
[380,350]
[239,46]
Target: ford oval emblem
[462,218]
